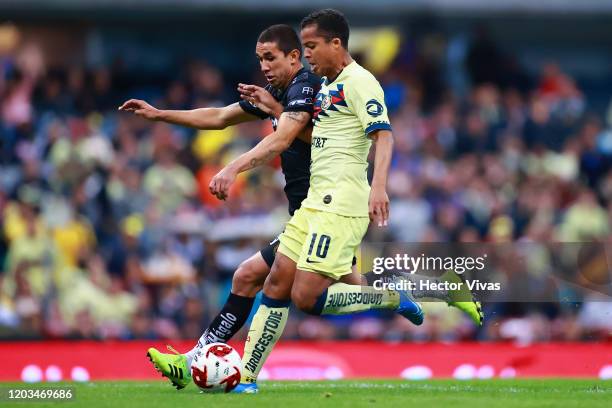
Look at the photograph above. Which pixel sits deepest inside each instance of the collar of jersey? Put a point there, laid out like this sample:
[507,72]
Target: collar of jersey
[341,73]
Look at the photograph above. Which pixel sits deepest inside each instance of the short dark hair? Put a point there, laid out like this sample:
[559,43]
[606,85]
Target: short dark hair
[284,36]
[330,24]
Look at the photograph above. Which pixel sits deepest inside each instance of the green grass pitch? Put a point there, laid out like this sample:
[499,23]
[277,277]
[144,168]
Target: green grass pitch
[363,393]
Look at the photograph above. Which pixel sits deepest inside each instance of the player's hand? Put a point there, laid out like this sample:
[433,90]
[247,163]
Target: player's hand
[141,108]
[378,206]
[222,181]
[260,98]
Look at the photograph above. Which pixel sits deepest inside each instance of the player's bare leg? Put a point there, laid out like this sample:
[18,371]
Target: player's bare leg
[278,283]
[304,297]
[250,276]
[354,278]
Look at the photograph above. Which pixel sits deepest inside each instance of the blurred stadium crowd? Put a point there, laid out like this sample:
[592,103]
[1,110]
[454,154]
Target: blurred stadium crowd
[108,229]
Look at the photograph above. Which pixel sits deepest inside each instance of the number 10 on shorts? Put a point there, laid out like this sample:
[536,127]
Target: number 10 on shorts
[322,246]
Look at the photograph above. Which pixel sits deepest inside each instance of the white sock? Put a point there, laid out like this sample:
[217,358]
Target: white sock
[191,354]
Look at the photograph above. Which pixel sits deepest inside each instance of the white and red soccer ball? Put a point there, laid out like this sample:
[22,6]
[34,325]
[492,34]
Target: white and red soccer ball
[216,368]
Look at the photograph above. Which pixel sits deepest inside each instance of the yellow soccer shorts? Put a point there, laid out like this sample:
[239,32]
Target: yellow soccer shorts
[322,242]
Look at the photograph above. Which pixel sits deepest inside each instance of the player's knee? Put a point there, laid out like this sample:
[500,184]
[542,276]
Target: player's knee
[353,278]
[302,300]
[275,286]
[247,280]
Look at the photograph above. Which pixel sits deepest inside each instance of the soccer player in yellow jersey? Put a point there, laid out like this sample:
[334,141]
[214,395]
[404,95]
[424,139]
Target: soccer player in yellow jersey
[319,242]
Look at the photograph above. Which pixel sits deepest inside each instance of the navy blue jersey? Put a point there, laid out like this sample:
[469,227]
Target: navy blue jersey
[295,161]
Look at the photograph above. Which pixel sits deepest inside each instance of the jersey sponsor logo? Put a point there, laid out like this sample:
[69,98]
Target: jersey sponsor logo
[374,108]
[271,325]
[376,125]
[305,101]
[308,90]
[378,122]
[319,142]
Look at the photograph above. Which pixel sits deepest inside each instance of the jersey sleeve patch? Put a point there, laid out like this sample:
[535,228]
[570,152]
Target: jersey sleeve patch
[374,108]
[367,101]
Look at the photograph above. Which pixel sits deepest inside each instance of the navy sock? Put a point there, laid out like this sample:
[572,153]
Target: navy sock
[230,319]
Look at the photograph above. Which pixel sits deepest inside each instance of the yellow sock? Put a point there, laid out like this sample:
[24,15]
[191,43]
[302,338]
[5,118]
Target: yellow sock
[266,328]
[341,298]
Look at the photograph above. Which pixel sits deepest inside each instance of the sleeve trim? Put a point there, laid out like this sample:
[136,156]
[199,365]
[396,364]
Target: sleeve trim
[299,108]
[248,108]
[377,126]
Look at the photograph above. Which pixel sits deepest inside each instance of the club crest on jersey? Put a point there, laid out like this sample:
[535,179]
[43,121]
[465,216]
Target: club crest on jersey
[326,102]
[374,108]
[330,102]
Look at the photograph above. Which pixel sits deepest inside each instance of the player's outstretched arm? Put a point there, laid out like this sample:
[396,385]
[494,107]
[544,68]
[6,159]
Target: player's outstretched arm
[202,118]
[378,204]
[289,126]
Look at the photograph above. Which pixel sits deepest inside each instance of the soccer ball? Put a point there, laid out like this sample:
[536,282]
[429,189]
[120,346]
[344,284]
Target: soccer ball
[216,368]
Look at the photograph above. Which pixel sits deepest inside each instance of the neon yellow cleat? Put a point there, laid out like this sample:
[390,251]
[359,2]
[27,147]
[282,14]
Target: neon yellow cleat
[459,298]
[172,366]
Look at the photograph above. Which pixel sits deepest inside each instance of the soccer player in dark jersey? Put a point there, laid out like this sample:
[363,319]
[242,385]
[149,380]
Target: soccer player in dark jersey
[289,98]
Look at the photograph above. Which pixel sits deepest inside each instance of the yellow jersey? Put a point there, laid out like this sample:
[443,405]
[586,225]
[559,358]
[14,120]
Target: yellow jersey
[346,111]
